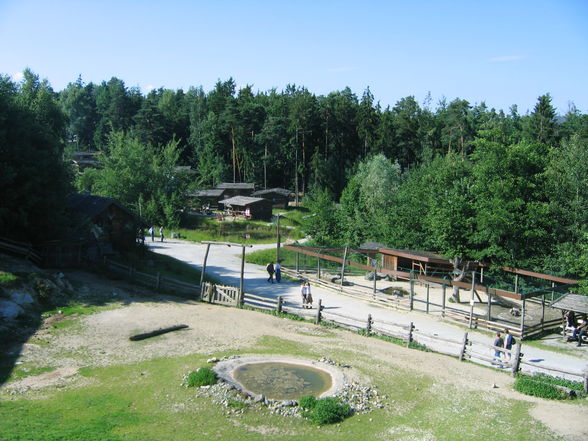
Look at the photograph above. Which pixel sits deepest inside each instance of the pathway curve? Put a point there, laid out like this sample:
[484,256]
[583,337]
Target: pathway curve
[224,263]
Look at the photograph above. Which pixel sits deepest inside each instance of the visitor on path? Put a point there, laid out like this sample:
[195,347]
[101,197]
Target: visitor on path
[303,293]
[152,233]
[498,343]
[278,270]
[580,330]
[161,233]
[270,270]
[308,295]
[509,341]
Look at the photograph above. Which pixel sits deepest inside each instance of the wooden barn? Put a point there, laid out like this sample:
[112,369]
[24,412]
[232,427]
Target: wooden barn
[103,221]
[206,198]
[280,197]
[236,188]
[250,207]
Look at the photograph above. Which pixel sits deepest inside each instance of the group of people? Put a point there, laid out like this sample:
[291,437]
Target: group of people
[152,233]
[274,269]
[578,329]
[306,295]
[506,343]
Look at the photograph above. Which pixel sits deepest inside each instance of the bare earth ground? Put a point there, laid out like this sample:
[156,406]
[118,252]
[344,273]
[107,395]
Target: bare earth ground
[102,339]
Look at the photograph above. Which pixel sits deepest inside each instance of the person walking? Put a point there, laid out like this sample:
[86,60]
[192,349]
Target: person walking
[308,295]
[498,343]
[278,270]
[509,341]
[152,233]
[270,270]
[303,293]
[161,233]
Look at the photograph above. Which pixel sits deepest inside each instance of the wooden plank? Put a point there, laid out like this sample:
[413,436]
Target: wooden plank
[522,272]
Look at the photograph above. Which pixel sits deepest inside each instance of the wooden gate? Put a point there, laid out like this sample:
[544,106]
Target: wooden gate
[221,294]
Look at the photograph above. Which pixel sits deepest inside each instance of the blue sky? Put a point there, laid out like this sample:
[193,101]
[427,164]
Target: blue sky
[500,52]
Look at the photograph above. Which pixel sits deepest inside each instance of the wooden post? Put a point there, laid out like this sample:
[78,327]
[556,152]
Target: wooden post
[374,261]
[516,359]
[428,287]
[158,282]
[368,327]
[410,337]
[343,267]
[482,275]
[444,291]
[317,319]
[297,262]
[463,347]
[277,239]
[516,283]
[242,279]
[586,380]
[204,266]
[543,311]
[280,302]
[411,298]
[523,320]
[489,305]
[472,299]
[318,268]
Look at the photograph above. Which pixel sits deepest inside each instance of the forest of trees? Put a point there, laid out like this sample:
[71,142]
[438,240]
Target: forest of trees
[461,179]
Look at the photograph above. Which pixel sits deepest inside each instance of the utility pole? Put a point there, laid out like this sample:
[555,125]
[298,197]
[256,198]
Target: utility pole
[296,171]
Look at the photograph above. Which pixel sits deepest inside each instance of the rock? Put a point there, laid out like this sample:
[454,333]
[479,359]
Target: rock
[258,398]
[10,310]
[213,360]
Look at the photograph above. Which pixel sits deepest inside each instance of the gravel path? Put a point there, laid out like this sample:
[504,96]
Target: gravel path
[225,264]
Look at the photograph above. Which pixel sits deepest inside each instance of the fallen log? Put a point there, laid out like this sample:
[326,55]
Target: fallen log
[156,332]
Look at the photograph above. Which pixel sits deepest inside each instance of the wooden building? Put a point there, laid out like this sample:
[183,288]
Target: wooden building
[250,207]
[279,197]
[236,188]
[201,199]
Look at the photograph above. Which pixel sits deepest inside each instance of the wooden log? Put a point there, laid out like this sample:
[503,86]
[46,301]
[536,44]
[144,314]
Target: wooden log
[279,307]
[516,362]
[410,334]
[157,332]
[317,319]
[368,327]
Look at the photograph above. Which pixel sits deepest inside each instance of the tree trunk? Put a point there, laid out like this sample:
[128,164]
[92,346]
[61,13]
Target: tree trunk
[460,269]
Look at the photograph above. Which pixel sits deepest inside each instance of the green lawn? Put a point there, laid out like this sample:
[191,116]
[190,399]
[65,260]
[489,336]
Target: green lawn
[145,401]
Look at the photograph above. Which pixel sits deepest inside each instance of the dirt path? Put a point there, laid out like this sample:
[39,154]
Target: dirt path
[102,339]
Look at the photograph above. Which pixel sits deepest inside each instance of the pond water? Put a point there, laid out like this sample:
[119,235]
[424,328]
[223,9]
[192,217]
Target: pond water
[283,381]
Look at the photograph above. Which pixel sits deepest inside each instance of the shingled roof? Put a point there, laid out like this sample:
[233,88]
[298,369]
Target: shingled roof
[242,201]
[281,191]
[237,185]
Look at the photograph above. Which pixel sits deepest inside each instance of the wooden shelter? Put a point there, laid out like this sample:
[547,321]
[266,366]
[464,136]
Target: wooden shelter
[206,198]
[236,188]
[253,208]
[278,196]
[572,302]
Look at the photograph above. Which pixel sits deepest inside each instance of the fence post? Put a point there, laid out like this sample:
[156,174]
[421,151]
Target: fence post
[343,268]
[318,268]
[280,304]
[368,327]
[410,337]
[586,380]
[463,347]
[516,364]
[204,267]
[428,287]
[297,262]
[158,282]
[411,290]
[317,320]
[472,298]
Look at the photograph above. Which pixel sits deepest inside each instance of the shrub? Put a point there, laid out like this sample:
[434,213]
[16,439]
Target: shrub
[327,411]
[307,402]
[7,278]
[201,377]
[539,386]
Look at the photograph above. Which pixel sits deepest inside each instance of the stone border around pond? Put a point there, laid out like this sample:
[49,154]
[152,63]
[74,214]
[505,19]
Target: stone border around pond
[225,368]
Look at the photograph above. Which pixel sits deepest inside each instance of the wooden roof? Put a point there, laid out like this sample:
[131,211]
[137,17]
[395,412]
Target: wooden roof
[90,206]
[243,201]
[280,191]
[422,256]
[572,302]
[237,185]
[212,193]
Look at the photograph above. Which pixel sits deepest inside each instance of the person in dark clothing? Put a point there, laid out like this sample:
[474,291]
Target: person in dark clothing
[270,270]
[498,343]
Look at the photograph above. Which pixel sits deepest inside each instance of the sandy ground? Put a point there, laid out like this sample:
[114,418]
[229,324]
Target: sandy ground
[102,339]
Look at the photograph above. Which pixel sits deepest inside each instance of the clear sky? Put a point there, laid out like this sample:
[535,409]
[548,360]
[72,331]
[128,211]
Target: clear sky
[501,52]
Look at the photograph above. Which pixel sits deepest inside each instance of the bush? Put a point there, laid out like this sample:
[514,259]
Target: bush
[540,386]
[307,402]
[202,377]
[326,410]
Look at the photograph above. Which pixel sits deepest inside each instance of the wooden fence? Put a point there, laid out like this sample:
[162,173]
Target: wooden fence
[21,249]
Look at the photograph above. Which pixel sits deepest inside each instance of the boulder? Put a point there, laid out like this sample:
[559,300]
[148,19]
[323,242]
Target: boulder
[10,310]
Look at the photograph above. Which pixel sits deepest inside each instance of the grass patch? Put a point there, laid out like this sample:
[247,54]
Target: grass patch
[201,377]
[21,371]
[545,386]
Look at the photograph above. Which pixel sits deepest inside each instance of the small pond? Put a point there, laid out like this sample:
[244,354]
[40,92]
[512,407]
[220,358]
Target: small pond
[283,381]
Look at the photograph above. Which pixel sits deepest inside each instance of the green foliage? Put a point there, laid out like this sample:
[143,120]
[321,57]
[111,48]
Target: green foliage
[540,386]
[307,402]
[202,377]
[326,410]
[8,278]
